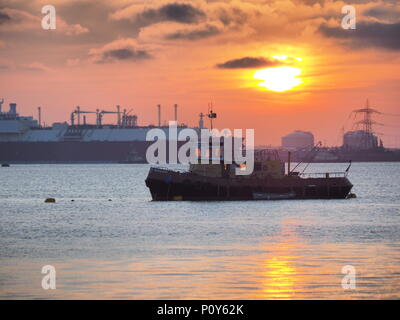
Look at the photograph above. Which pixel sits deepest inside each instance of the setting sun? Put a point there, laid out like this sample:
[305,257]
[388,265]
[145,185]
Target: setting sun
[279,79]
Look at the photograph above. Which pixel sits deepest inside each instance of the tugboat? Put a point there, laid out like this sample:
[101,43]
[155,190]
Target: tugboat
[269,181]
[207,180]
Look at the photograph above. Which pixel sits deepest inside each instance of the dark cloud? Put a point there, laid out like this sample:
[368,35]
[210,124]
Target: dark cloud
[4,17]
[125,54]
[367,35]
[184,13]
[196,34]
[175,12]
[232,16]
[383,13]
[248,62]
[119,50]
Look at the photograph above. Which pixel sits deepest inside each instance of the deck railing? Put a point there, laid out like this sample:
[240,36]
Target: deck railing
[323,175]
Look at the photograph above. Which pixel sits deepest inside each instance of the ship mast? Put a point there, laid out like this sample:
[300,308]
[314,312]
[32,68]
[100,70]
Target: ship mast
[211,115]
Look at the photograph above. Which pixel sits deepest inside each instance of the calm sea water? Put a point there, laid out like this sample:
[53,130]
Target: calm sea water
[133,248]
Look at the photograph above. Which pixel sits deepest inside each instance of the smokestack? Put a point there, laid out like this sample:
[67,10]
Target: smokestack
[78,110]
[124,118]
[159,114]
[40,116]
[1,104]
[13,108]
[97,117]
[119,116]
[176,113]
[84,120]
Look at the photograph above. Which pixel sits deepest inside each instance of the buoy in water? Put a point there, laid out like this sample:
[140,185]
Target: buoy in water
[351,196]
[109,200]
[50,200]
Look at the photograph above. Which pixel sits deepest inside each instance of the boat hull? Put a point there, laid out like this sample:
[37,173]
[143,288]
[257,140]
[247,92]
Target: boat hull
[168,185]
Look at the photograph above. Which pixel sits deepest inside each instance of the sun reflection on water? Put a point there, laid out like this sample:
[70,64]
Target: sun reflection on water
[279,278]
[280,273]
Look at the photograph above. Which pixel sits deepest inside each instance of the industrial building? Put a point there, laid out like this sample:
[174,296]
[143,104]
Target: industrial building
[298,140]
[360,139]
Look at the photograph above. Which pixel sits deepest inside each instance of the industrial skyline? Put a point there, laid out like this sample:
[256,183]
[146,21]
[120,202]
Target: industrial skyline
[111,53]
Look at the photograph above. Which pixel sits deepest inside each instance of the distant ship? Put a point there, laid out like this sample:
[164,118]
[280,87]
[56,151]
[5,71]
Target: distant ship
[25,140]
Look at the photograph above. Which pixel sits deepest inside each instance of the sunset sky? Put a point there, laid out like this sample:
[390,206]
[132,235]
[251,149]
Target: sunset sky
[142,53]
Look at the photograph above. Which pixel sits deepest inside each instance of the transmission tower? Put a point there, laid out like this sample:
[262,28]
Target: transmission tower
[367,124]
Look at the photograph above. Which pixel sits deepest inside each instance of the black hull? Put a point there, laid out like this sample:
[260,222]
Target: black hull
[69,151]
[76,152]
[166,185]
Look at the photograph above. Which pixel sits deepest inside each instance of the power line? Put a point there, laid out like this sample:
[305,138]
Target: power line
[391,114]
[390,125]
